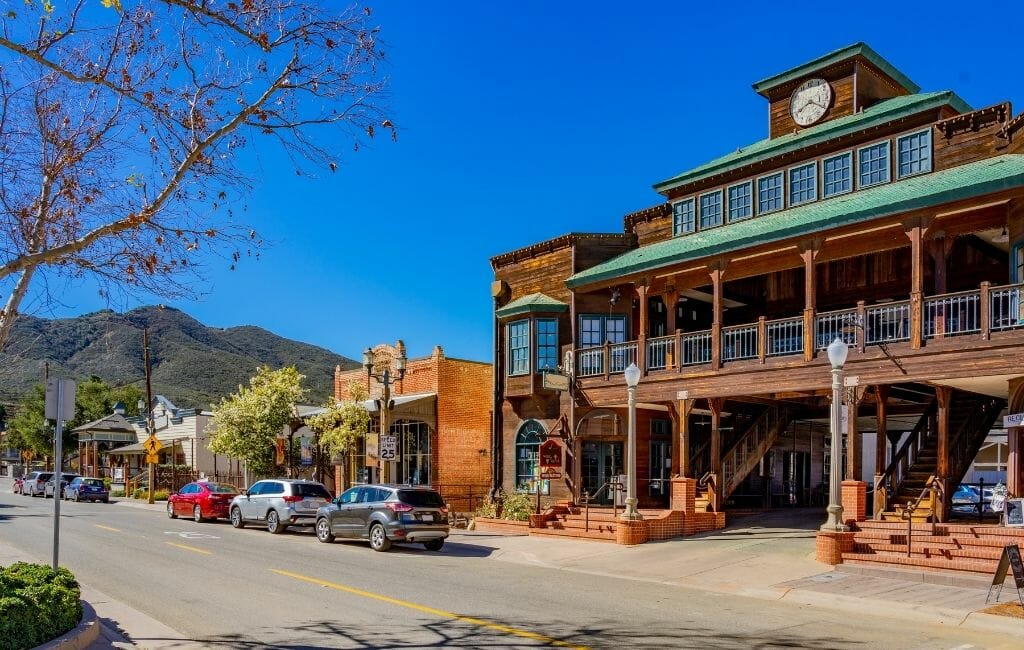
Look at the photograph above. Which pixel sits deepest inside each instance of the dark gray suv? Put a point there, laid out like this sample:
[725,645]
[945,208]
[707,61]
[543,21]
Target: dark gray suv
[385,514]
[279,503]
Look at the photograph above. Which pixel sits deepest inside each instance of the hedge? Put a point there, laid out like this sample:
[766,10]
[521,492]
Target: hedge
[37,604]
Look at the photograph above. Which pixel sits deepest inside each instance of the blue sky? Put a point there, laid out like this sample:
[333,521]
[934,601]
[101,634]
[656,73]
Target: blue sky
[520,122]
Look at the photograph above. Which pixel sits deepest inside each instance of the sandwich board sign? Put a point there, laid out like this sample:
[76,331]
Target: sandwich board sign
[1010,559]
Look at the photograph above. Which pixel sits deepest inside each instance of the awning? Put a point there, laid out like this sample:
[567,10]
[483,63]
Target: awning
[403,402]
[129,450]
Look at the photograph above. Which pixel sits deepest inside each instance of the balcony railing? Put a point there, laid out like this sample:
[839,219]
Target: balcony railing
[990,309]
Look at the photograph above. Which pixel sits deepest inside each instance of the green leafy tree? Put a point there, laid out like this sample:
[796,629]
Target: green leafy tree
[342,424]
[94,399]
[246,424]
[28,429]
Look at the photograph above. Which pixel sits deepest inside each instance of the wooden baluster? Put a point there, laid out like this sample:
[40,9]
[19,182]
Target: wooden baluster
[762,338]
[986,311]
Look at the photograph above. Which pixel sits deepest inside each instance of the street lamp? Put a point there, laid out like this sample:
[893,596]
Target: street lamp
[632,375]
[837,353]
[386,381]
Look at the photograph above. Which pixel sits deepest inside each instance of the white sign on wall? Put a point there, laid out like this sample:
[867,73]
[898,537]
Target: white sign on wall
[1014,420]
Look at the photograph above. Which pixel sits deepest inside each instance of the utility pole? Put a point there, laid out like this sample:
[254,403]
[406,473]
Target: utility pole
[149,407]
[59,405]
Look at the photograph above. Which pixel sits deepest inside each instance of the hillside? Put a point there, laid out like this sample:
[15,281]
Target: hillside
[193,365]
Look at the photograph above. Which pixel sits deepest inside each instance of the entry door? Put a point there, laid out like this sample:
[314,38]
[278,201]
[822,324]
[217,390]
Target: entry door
[602,461]
[661,466]
[796,471]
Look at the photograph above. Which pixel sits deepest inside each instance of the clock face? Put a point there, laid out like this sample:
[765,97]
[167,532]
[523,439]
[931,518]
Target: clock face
[810,101]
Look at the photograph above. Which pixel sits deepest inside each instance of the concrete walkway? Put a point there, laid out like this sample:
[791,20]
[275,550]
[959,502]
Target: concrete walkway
[768,556]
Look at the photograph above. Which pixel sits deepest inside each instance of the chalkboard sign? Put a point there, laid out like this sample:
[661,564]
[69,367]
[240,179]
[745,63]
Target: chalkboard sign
[1015,512]
[1010,559]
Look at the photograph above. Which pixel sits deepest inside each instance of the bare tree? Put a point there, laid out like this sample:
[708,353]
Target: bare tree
[122,127]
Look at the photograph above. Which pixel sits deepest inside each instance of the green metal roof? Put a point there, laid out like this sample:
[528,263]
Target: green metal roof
[884,111]
[925,191]
[762,87]
[533,303]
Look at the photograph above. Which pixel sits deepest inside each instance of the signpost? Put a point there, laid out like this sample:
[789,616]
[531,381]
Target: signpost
[1010,559]
[60,404]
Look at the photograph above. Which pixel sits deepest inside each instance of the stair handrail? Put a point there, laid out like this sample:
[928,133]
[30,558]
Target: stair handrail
[933,490]
[907,453]
[760,430]
[586,498]
[698,465]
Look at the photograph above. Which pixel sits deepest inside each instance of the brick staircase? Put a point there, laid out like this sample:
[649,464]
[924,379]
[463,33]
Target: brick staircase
[566,520]
[966,548]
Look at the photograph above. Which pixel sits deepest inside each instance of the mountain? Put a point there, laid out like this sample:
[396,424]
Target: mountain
[193,365]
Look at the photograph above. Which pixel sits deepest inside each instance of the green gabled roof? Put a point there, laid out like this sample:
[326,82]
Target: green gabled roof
[533,303]
[926,191]
[884,111]
[807,69]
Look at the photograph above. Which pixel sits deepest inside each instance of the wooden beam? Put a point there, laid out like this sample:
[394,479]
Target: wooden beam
[809,251]
[681,459]
[944,396]
[881,415]
[914,230]
[716,271]
[641,348]
[854,457]
[716,404]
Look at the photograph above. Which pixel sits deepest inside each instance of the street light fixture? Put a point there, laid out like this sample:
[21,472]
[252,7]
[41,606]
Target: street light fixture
[632,375]
[837,353]
[386,380]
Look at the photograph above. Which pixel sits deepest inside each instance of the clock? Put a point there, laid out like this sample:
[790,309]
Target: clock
[810,101]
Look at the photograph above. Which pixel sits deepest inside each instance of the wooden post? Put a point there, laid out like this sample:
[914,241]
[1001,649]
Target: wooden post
[685,406]
[854,456]
[881,436]
[986,311]
[671,299]
[607,358]
[862,325]
[715,404]
[641,343]
[915,232]
[944,396]
[937,249]
[716,271]
[677,361]
[762,339]
[809,253]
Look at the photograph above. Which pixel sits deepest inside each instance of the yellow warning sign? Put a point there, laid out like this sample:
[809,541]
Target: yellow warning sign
[152,445]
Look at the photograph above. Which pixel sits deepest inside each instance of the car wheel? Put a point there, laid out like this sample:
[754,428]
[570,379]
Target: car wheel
[197,514]
[170,510]
[274,523]
[323,531]
[236,518]
[378,538]
[434,544]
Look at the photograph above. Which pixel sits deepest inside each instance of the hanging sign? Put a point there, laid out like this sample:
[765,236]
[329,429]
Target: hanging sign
[1013,420]
[372,449]
[550,454]
[306,452]
[555,381]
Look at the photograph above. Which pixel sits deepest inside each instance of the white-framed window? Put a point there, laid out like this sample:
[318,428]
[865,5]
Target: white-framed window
[711,209]
[547,344]
[873,164]
[803,183]
[684,217]
[741,203]
[914,153]
[769,193]
[837,174]
[519,347]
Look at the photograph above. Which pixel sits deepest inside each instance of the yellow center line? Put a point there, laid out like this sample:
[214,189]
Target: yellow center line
[430,610]
[113,530]
[189,548]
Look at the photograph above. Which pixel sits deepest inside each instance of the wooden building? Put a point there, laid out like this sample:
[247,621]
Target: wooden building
[888,217]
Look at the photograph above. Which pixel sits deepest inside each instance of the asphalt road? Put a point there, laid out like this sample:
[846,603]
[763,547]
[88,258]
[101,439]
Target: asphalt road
[247,588]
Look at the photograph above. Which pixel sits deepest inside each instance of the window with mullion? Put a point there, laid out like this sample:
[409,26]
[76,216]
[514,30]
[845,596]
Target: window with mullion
[528,441]
[1018,258]
[838,176]
[740,202]
[915,153]
[547,344]
[711,209]
[683,217]
[873,162]
[519,347]
[803,184]
[769,193]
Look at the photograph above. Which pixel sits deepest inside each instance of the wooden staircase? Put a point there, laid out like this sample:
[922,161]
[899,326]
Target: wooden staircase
[966,548]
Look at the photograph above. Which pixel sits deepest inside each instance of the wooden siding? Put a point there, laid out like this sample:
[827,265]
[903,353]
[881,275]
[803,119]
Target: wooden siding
[544,273]
[969,137]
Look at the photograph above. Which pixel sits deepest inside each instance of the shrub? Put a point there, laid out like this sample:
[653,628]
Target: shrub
[117,493]
[106,482]
[143,493]
[37,604]
[517,506]
[488,509]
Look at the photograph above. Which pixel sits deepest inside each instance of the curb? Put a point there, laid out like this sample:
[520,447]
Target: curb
[87,631]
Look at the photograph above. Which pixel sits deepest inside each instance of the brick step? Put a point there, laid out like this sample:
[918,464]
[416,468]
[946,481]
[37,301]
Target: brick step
[573,524]
[986,567]
[931,550]
[952,541]
[574,534]
[959,530]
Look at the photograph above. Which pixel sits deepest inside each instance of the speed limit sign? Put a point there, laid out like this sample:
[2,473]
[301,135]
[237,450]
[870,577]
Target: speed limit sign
[389,448]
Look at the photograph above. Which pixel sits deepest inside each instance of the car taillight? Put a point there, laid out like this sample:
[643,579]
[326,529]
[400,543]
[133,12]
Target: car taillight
[293,499]
[398,507]
[444,510]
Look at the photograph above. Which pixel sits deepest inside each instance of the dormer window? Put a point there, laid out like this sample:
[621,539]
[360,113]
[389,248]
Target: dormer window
[803,184]
[683,217]
[915,153]
[711,209]
[873,162]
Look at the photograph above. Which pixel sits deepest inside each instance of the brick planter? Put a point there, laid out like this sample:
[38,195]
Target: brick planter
[505,526]
[629,533]
[830,546]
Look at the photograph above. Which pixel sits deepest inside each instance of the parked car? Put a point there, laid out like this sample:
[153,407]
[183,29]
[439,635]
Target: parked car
[35,483]
[50,489]
[385,514]
[16,486]
[201,500]
[279,503]
[82,488]
[965,495]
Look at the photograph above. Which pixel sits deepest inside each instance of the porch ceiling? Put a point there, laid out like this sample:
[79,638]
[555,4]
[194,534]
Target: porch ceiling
[994,386]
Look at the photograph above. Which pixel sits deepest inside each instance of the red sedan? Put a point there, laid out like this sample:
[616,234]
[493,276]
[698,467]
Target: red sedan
[201,500]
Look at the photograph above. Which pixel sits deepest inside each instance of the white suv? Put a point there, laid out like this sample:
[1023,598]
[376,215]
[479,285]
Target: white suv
[279,503]
[35,483]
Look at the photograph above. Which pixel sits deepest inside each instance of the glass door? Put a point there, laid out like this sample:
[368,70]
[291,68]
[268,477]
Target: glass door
[602,462]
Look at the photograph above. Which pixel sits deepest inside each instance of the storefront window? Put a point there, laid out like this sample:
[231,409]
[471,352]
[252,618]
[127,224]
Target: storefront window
[528,440]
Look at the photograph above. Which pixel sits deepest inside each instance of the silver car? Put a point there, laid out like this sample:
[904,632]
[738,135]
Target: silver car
[35,483]
[385,514]
[279,503]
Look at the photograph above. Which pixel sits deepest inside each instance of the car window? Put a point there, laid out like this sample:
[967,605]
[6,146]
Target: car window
[311,490]
[350,495]
[221,489]
[191,488]
[96,482]
[273,487]
[256,489]
[367,494]
[421,498]
[45,476]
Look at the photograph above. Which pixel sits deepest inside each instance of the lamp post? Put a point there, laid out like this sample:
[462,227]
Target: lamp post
[632,375]
[386,380]
[837,353]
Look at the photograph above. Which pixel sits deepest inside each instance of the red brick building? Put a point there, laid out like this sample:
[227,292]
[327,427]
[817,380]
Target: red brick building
[442,418]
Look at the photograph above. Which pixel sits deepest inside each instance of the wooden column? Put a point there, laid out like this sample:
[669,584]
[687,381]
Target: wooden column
[937,250]
[881,437]
[809,253]
[645,326]
[854,455]
[681,459]
[717,271]
[914,230]
[944,397]
[671,298]
[715,404]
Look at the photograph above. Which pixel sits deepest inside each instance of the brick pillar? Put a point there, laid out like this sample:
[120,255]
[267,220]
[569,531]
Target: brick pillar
[829,546]
[684,494]
[629,533]
[855,500]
